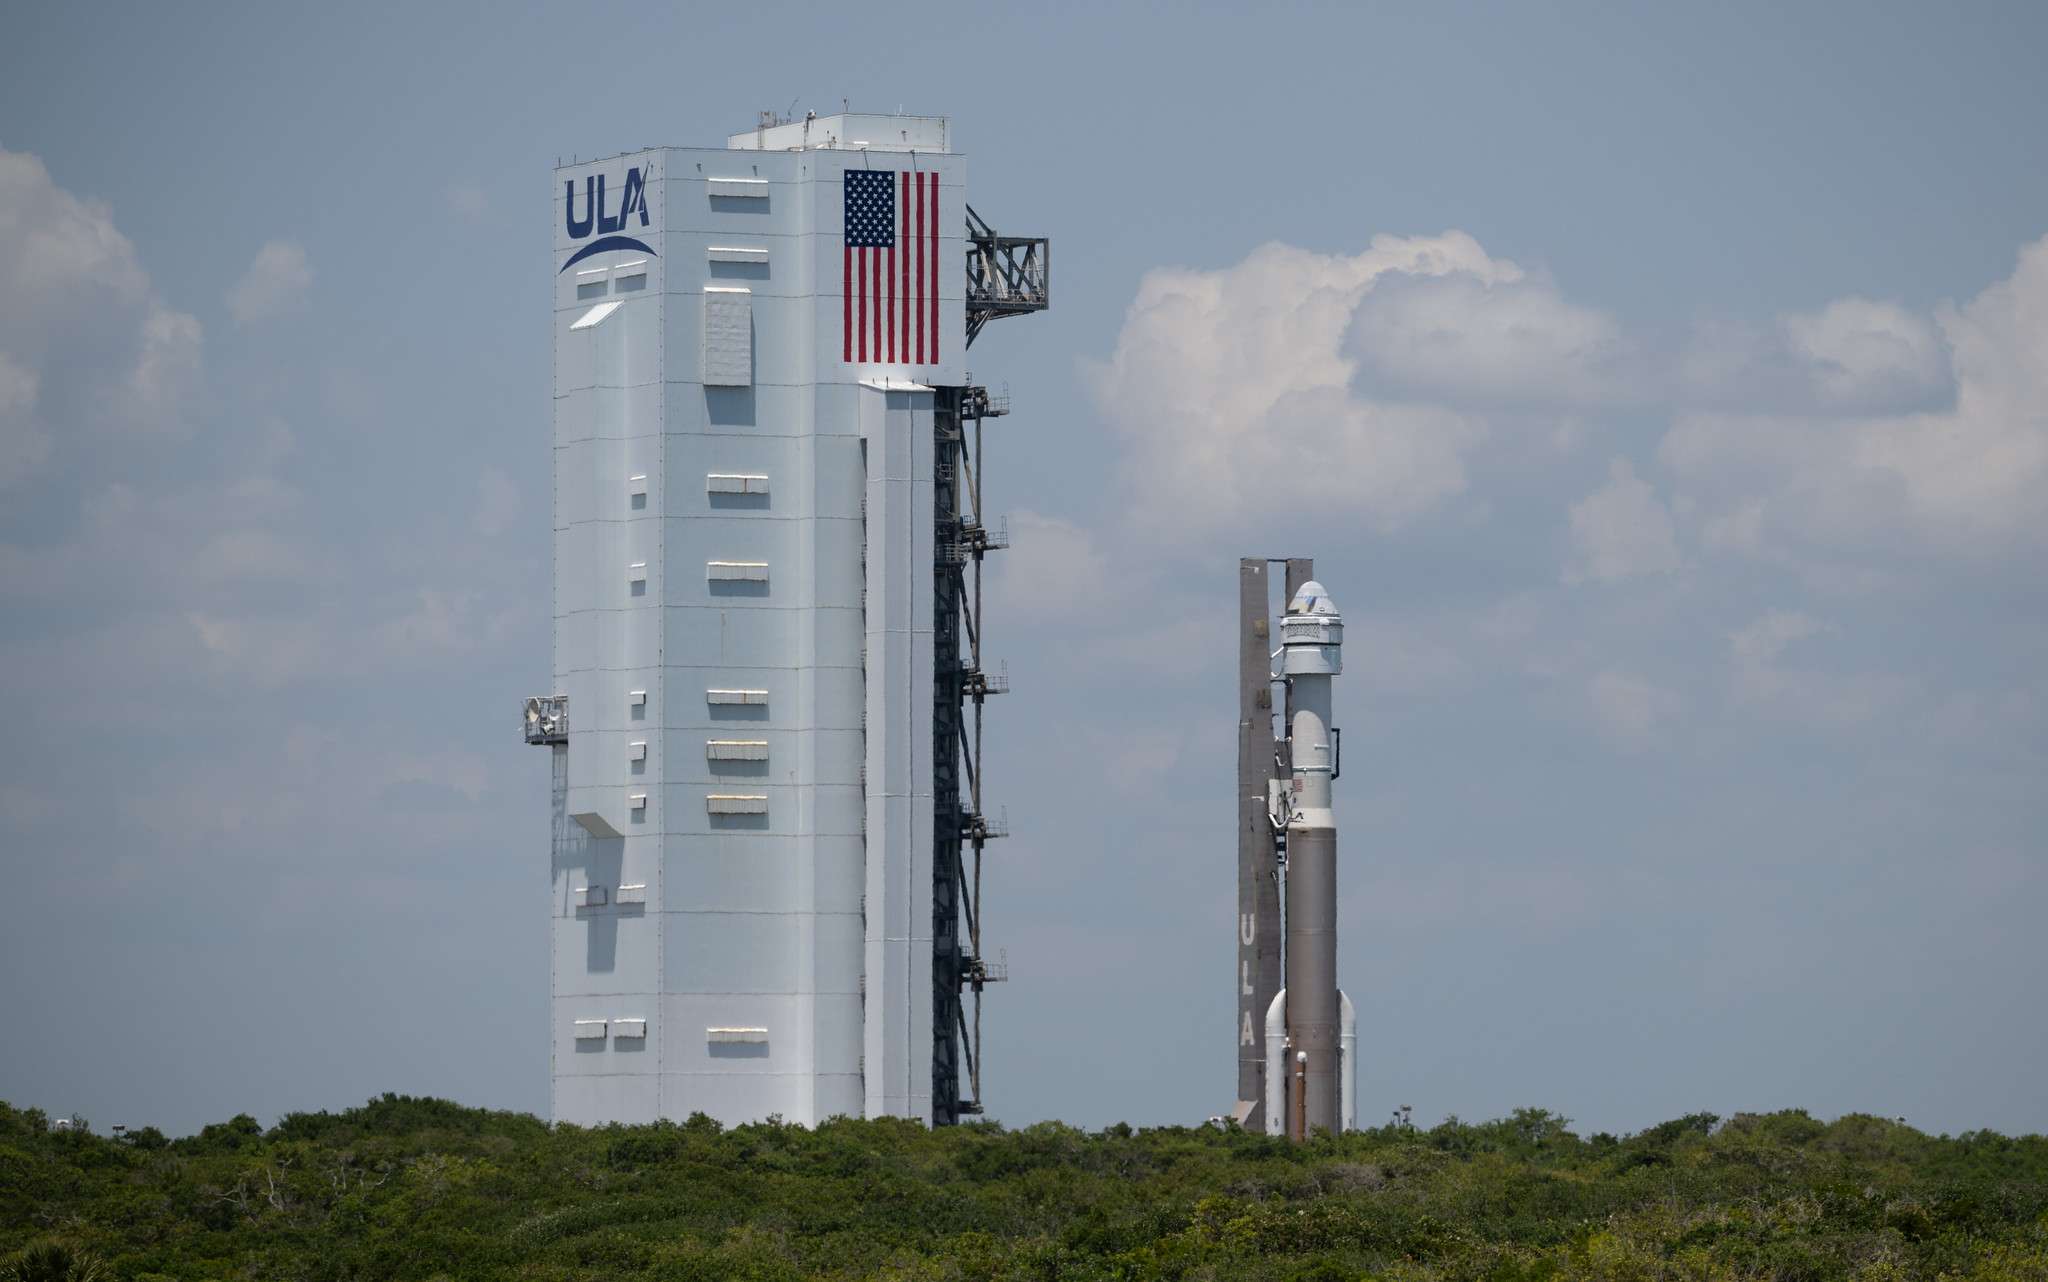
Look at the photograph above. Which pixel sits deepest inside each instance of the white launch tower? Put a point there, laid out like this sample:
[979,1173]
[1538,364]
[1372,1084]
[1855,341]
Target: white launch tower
[759,544]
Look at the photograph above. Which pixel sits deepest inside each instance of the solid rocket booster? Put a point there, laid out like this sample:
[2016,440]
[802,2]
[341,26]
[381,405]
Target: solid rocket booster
[1312,640]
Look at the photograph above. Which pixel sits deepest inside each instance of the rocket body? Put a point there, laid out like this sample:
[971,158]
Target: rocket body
[1312,637]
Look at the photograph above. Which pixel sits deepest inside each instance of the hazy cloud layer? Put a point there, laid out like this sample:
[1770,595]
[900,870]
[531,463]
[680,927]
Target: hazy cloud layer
[233,664]
[1621,530]
[84,340]
[1969,479]
[1367,382]
[275,281]
[1693,700]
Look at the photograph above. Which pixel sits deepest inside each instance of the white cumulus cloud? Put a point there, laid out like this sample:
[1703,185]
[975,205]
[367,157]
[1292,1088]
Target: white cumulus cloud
[1629,709]
[1859,354]
[274,281]
[86,347]
[1970,478]
[1231,386]
[1053,570]
[1621,530]
[24,445]
[1765,638]
[1487,338]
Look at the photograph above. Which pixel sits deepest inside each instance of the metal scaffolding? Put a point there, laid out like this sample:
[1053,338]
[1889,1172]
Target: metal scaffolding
[961,687]
[1006,275]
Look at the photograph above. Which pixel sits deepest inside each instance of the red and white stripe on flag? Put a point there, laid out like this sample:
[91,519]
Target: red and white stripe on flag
[890,296]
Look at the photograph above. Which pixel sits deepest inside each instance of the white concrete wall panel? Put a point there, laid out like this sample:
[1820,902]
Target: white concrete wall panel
[617,952]
[739,872]
[897,695]
[726,638]
[608,413]
[734,953]
[594,1099]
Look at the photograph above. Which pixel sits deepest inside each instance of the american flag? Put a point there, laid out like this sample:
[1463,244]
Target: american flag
[891,299]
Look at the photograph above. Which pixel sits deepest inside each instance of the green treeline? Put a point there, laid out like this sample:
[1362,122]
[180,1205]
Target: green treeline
[420,1189]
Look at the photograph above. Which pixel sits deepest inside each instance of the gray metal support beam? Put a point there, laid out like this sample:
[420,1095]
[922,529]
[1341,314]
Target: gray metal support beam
[948,957]
[1261,756]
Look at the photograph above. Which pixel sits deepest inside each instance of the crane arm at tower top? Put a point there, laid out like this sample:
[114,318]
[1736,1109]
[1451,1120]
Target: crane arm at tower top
[1006,275]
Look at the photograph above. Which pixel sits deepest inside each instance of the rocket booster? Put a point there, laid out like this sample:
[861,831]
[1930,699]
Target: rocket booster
[1312,639]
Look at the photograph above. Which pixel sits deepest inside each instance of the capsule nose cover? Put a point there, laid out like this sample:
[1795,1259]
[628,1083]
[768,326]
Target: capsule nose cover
[1312,599]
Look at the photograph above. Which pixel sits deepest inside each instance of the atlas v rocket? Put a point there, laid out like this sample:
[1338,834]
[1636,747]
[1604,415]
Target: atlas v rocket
[1298,1077]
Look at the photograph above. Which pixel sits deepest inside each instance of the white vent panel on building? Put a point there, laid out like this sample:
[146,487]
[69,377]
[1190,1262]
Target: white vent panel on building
[636,574]
[637,801]
[636,486]
[590,1030]
[745,187]
[596,315]
[731,1035]
[636,893]
[736,571]
[728,337]
[735,254]
[736,696]
[736,803]
[628,272]
[633,1028]
[590,896]
[735,483]
[636,750]
[636,698]
[736,749]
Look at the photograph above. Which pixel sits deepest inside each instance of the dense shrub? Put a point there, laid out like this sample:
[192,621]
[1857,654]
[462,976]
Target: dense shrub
[423,1189]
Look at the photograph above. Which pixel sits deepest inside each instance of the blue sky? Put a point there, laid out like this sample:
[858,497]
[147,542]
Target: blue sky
[1661,394]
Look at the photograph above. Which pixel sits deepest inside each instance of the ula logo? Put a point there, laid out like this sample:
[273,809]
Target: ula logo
[633,200]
